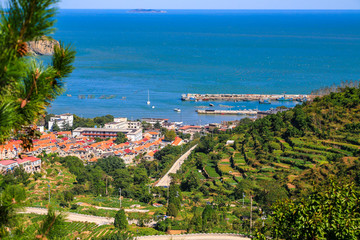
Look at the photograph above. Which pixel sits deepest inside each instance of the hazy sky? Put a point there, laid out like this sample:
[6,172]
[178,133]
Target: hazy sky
[209,4]
[212,4]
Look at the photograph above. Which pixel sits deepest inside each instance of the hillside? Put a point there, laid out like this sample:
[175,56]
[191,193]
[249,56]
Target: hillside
[289,151]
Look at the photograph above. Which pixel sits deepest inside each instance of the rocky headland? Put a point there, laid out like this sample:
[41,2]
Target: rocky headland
[42,46]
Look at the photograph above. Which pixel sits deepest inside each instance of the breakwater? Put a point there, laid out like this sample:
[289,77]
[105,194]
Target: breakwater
[228,112]
[246,97]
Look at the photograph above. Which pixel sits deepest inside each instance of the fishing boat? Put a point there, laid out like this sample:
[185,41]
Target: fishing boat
[211,105]
[148,101]
[264,101]
[177,109]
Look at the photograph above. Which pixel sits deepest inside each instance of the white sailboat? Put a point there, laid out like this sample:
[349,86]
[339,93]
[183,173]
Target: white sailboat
[148,101]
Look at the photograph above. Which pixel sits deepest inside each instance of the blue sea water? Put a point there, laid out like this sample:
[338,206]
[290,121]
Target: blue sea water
[188,51]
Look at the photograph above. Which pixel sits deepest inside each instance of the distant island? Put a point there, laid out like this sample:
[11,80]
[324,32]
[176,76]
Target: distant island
[146,11]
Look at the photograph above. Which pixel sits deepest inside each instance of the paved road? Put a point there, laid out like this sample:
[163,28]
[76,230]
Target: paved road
[195,237]
[165,181]
[74,216]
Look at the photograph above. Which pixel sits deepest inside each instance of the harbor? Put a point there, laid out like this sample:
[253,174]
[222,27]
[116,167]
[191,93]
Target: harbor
[227,112]
[246,97]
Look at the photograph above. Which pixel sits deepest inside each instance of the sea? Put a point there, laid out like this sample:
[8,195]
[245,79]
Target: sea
[123,58]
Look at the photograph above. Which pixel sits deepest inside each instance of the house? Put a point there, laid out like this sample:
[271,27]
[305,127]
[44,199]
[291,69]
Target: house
[153,135]
[61,120]
[178,141]
[8,165]
[35,163]
[25,163]
[149,156]
[230,142]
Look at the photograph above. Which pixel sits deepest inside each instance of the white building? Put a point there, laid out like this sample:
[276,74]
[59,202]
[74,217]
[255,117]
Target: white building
[116,125]
[131,134]
[8,165]
[155,120]
[61,120]
[134,125]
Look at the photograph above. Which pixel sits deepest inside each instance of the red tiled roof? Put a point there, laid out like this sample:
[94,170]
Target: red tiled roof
[20,161]
[32,159]
[177,141]
[7,162]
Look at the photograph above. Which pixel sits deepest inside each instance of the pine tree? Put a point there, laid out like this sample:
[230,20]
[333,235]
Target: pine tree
[55,128]
[27,86]
[172,210]
[120,220]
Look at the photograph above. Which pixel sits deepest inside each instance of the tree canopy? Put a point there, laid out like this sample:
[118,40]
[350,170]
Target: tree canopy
[27,86]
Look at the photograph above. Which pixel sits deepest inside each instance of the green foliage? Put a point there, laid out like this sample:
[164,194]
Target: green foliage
[157,125]
[170,136]
[17,176]
[191,182]
[12,199]
[120,221]
[172,210]
[269,193]
[27,87]
[209,217]
[55,128]
[110,164]
[92,122]
[140,176]
[120,138]
[52,226]
[327,213]
[175,196]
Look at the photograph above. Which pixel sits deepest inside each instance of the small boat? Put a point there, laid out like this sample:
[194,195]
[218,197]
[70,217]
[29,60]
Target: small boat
[148,101]
[177,109]
[153,107]
[211,105]
[69,95]
[264,101]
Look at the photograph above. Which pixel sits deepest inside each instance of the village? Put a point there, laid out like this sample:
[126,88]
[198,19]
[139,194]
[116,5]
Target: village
[91,144]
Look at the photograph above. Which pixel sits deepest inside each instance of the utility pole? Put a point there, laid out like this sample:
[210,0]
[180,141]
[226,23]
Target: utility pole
[106,191]
[49,195]
[120,197]
[250,213]
[263,218]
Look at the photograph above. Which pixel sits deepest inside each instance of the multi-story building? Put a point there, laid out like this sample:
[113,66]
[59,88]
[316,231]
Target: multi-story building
[131,134]
[134,124]
[61,120]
